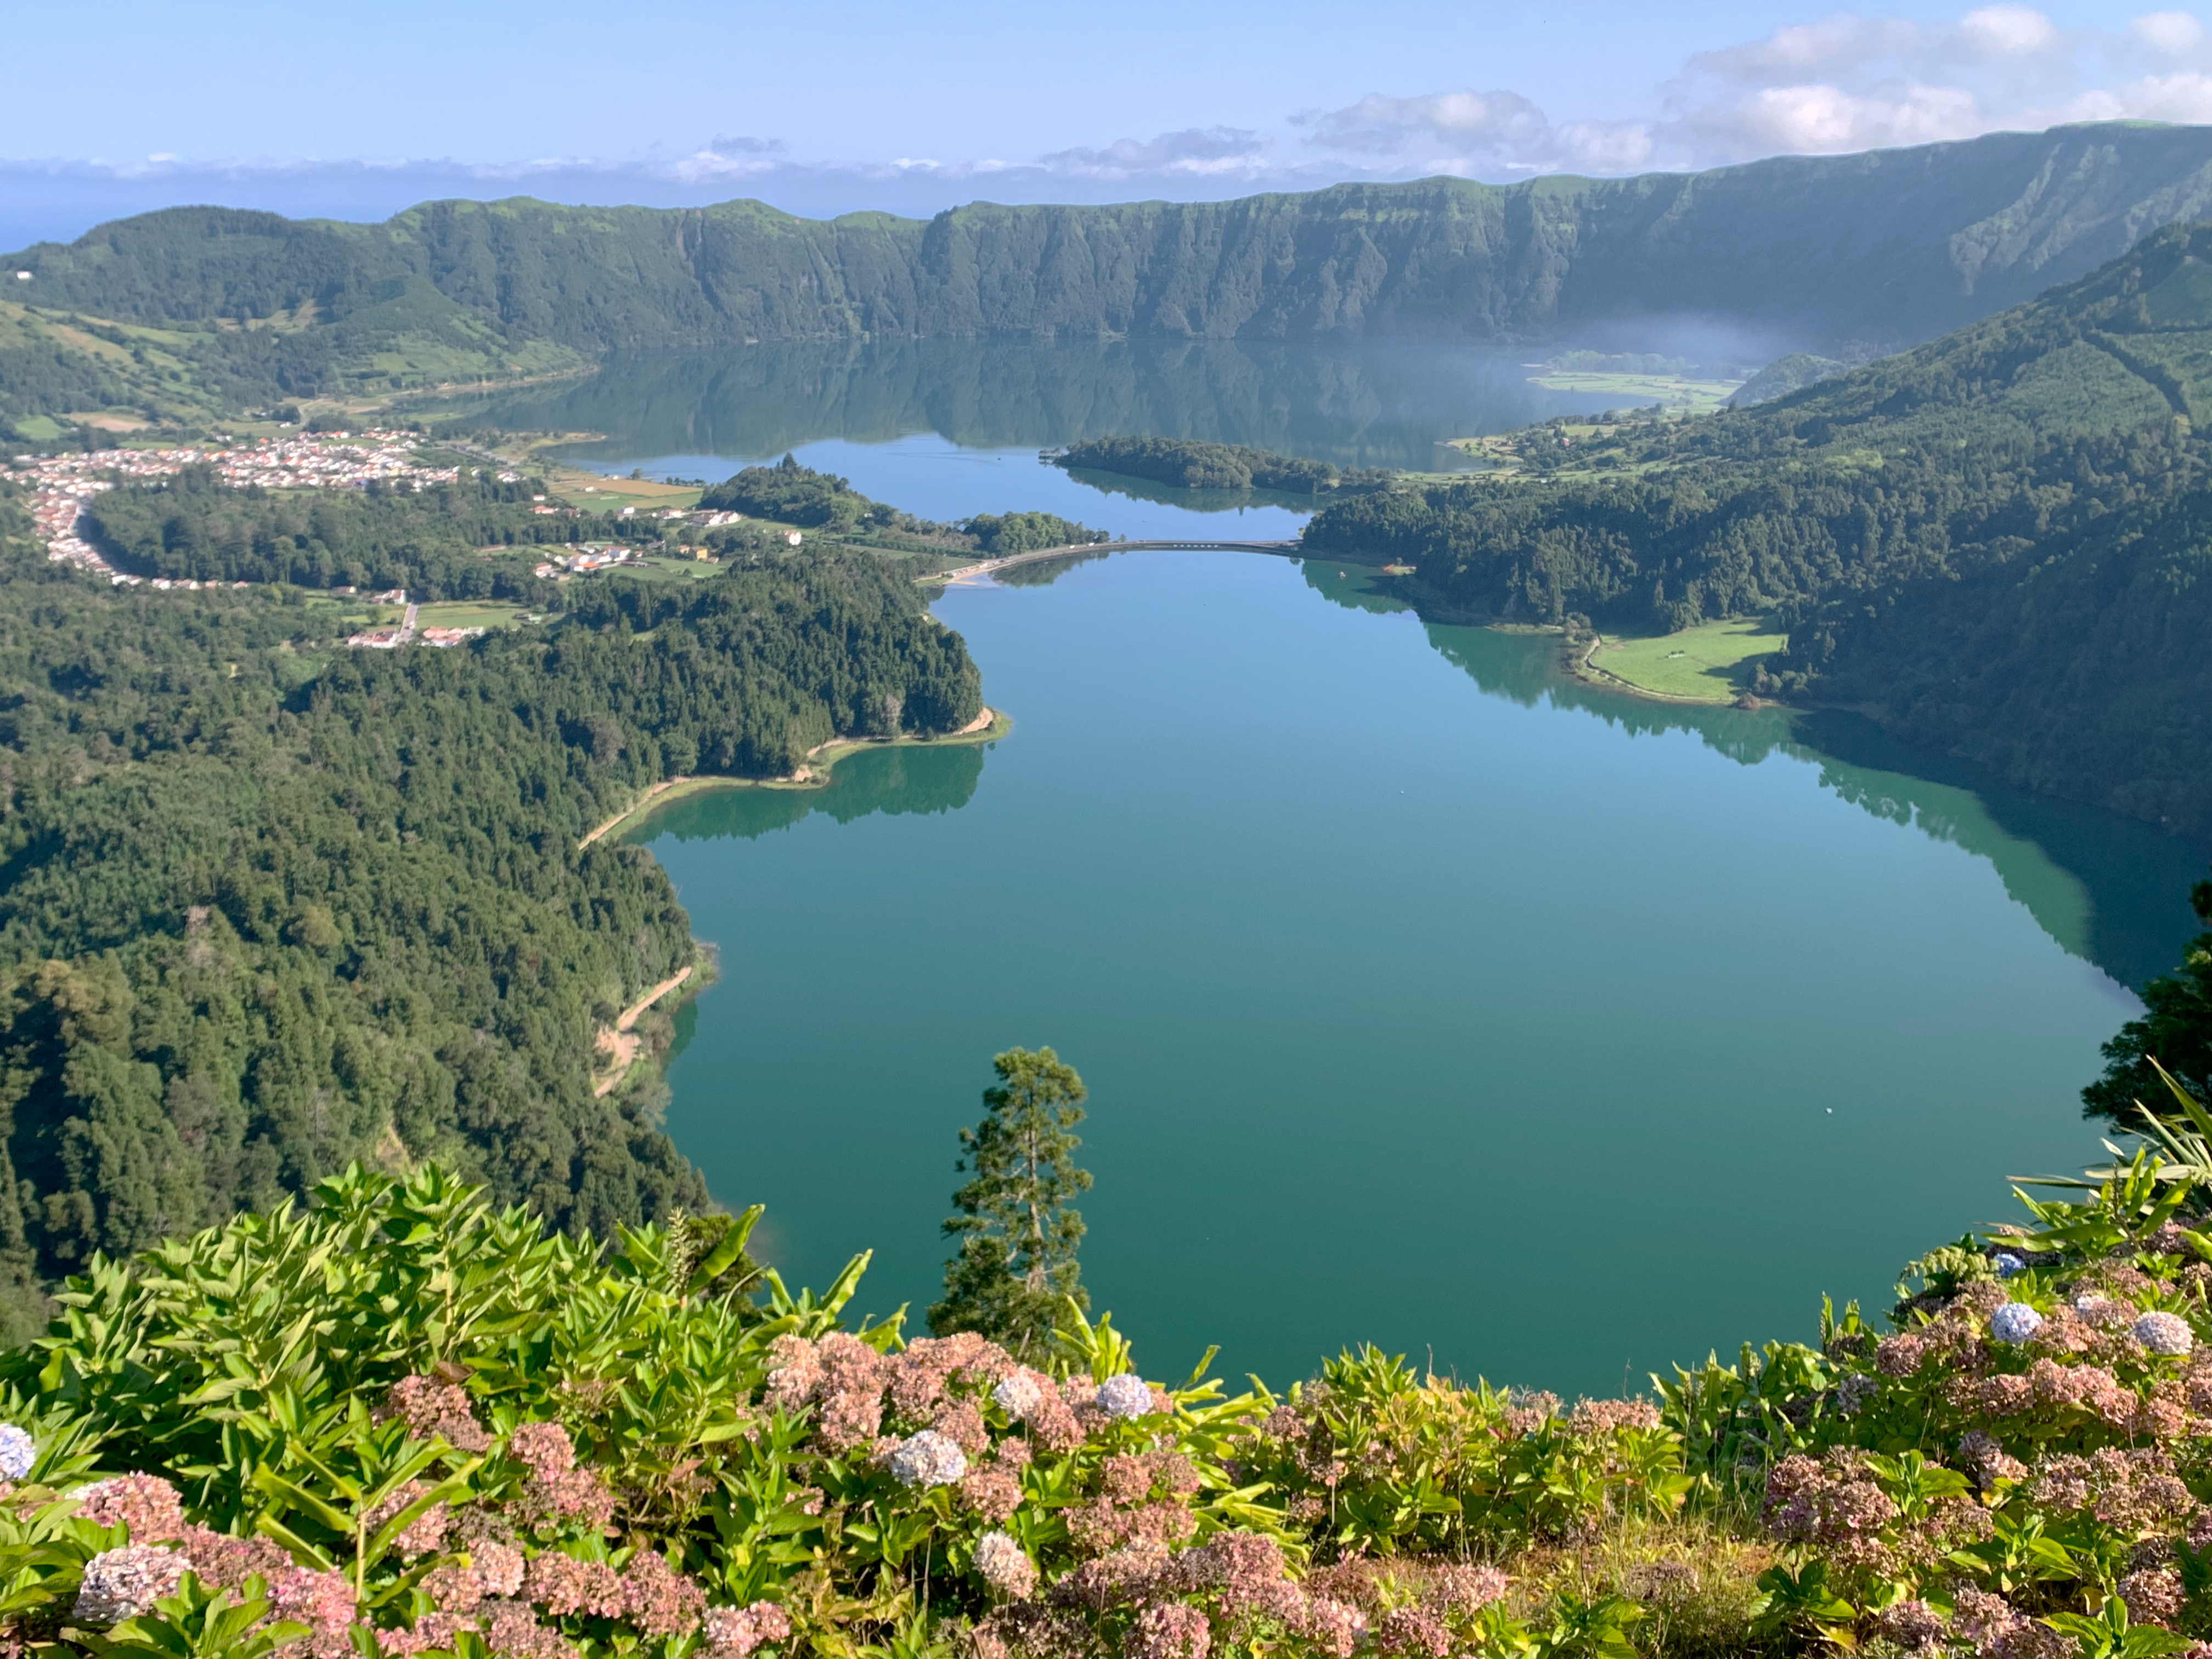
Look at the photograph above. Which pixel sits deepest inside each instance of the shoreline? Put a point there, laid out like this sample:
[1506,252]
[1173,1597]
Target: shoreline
[820,761]
[1584,667]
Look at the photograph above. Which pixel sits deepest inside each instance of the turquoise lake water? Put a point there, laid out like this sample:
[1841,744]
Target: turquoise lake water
[1425,998]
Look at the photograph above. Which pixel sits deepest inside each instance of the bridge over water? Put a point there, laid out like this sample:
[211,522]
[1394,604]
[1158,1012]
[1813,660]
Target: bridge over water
[987,565]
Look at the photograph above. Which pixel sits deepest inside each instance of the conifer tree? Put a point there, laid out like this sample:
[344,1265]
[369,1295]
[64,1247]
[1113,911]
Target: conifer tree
[1017,1231]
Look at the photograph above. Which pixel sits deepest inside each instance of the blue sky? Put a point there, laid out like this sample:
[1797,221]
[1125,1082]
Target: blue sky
[844,104]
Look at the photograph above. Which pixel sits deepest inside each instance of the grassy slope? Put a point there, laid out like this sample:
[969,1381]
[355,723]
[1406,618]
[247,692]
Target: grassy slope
[1709,663]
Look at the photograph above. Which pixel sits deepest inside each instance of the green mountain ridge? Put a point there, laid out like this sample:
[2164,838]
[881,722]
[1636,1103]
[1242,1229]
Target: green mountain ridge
[1890,245]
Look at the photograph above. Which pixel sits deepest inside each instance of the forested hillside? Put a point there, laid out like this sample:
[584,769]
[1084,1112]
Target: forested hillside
[266,908]
[1889,246]
[1190,465]
[1998,541]
[195,527]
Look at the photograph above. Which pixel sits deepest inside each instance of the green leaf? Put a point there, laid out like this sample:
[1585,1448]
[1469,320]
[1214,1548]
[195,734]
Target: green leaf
[733,1246]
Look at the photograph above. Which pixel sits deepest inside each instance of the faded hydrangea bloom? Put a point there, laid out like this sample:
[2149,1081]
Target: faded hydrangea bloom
[568,1588]
[432,1406]
[1018,1396]
[1005,1566]
[1169,1630]
[148,1506]
[928,1459]
[123,1583]
[2154,1596]
[1125,1396]
[1854,1392]
[1914,1626]
[18,1451]
[1416,1632]
[658,1599]
[2164,1333]
[734,1632]
[2015,1323]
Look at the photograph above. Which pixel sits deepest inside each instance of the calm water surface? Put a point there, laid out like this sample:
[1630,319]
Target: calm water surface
[946,428]
[1424,998]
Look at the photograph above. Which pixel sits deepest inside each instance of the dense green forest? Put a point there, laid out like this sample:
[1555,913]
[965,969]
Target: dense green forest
[1998,540]
[1188,463]
[2175,1031]
[792,494]
[1002,533]
[430,542]
[1895,245]
[268,907]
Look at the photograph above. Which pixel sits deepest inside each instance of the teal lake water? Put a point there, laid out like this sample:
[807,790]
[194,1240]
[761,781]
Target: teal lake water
[946,428]
[1425,998]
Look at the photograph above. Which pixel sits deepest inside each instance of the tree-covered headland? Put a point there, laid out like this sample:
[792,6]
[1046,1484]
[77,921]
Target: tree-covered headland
[272,906]
[1996,541]
[1188,463]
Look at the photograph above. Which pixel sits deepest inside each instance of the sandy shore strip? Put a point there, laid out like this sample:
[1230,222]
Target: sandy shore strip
[986,727]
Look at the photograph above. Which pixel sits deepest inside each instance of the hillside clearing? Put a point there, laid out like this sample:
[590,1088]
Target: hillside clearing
[1709,663]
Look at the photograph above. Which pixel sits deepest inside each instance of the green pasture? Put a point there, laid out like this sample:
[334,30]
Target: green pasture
[1711,662]
[470,613]
[1672,390]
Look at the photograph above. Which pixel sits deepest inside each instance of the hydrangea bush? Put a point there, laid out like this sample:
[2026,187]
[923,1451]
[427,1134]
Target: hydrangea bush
[398,1422]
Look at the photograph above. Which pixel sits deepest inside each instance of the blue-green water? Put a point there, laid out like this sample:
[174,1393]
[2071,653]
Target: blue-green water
[949,427]
[1424,998]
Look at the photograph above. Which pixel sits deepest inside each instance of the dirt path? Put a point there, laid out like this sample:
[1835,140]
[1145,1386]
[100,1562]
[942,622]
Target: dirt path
[620,1045]
[981,723]
[650,795]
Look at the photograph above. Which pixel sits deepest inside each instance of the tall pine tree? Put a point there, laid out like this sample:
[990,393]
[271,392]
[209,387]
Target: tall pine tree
[1017,1231]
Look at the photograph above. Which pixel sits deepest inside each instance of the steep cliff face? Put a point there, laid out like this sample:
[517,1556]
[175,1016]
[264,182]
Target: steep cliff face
[1892,246]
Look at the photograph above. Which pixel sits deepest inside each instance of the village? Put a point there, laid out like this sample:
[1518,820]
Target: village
[62,484]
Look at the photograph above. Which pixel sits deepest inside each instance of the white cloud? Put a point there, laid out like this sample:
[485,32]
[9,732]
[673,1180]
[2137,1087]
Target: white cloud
[1461,123]
[1204,151]
[2173,34]
[1821,119]
[1607,146]
[1839,41]
[1999,32]
[2186,97]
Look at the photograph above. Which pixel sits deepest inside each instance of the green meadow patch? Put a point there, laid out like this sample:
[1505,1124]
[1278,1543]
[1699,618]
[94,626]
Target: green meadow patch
[1711,662]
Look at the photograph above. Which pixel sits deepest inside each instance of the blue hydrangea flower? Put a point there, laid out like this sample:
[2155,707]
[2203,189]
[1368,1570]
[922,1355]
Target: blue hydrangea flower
[2015,1323]
[2007,1264]
[18,1451]
[1125,1396]
[928,1459]
[2164,1333]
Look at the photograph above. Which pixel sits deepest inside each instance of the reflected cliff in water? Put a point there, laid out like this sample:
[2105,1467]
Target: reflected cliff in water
[2111,890]
[894,781]
[1368,405]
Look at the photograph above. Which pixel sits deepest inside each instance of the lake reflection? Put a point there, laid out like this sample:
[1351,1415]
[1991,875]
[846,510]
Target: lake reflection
[1382,404]
[1425,997]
